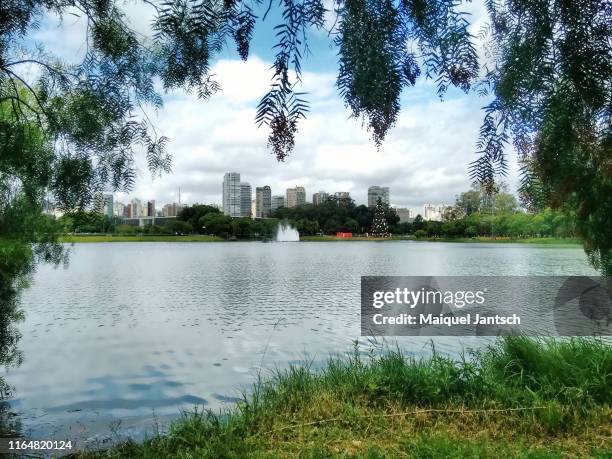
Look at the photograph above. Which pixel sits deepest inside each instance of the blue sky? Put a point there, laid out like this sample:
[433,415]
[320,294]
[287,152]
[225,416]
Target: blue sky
[424,159]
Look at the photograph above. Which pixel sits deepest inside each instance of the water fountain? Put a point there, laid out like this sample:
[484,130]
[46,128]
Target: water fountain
[286,233]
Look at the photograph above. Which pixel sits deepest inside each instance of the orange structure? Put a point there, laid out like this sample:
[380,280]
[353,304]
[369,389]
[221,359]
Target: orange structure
[345,235]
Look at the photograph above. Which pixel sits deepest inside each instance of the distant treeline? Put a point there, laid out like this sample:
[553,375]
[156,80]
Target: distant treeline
[547,223]
[332,216]
[473,214]
[197,219]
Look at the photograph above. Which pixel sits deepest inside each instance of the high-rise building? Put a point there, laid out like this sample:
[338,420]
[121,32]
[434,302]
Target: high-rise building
[296,196]
[319,198]
[253,208]
[404,214]
[136,208]
[342,195]
[108,205]
[119,209]
[245,199]
[231,194]
[429,212]
[435,213]
[263,202]
[442,209]
[277,201]
[171,210]
[151,208]
[129,211]
[375,192]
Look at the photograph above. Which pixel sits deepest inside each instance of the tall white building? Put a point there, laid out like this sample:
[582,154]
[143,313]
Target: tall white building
[231,194]
[342,195]
[404,214]
[442,208]
[136,208]
[296,196]
[119,209]
[375,192]
[435,213]
[245,199]
[319,198]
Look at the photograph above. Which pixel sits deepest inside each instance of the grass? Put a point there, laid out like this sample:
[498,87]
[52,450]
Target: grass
[535,240]
[200,238]
[349,239]
[530,240]
[521,397]
[138,238]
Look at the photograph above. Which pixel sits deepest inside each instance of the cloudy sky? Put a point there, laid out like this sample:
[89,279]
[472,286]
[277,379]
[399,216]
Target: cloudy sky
[424,159]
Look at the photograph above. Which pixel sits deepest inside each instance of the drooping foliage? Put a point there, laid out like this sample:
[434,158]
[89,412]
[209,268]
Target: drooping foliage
[384,46]
[95,111]
[550,72]
[25,171]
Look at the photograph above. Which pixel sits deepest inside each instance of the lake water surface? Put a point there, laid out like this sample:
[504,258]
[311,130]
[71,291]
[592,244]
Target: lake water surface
[131,333]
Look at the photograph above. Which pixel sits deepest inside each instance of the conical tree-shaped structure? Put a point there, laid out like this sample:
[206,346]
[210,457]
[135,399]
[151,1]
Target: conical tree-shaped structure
[379,223]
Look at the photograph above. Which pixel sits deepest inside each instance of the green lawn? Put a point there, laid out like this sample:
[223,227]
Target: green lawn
[520,398]
[543,240]
[199,238]
[502,240]
[140,238]
[334,238]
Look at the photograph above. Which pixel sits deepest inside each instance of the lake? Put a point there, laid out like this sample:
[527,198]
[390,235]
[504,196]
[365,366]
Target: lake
[129,334]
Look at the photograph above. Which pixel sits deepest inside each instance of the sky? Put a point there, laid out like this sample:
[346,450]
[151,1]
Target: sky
[424,159]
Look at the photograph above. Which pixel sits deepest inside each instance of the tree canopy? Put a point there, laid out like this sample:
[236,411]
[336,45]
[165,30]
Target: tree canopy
[551,78]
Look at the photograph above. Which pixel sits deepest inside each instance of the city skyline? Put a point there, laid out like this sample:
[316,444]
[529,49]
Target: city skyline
[269,200]
[239,201]
[424,159]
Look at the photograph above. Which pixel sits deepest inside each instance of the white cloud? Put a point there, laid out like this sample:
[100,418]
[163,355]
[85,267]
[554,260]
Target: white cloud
[424,159]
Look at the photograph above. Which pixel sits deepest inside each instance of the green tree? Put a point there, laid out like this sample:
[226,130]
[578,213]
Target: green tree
[418,223]
[468,202]
[193,215]
[179,227]
[215,223]
[350,225]
[550,78]
[27,236]
[505,203]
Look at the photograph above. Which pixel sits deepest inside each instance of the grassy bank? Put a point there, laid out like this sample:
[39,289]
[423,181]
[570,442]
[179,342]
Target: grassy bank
[519,398]
[139,238]
[542,240]
[501,240]
[69,238]
[349,239]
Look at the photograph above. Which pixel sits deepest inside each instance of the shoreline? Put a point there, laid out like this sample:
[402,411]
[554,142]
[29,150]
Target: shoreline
[483,239]
[77,239]
[520,397]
